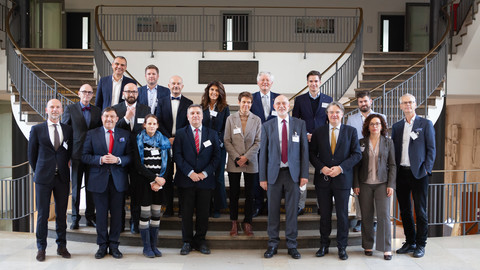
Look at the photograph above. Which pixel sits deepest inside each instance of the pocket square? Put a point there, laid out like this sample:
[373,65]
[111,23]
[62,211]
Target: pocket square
[122,139]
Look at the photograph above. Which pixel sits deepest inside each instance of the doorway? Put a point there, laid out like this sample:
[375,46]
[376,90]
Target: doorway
[418,27]
[46,23]
[78,30]
[235,31]
[392,33]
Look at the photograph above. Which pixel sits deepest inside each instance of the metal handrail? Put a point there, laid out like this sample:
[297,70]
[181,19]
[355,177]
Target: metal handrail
[14,166]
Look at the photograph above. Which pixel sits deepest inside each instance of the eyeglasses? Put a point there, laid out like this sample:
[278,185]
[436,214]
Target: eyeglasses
[375,124]
[87,92]
[408,102]
[131,92]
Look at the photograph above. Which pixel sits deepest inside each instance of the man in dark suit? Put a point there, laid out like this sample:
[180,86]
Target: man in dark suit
[172,116]
[81,116]
[334,151]
[310,107]
[110,88]
[107,151]
[151,93]
[283,167]
[131,116]
[262,106]
[196,153]
[414,140]
[49,151]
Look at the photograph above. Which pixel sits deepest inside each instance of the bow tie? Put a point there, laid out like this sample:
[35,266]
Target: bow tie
[175,98]
[86,108]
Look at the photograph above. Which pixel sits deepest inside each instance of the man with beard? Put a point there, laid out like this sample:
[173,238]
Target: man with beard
[151,93]
[365,106]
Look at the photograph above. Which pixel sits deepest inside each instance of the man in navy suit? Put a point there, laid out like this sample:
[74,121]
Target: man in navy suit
[49,151]
[151,93]
[414,140]
[283,168]
[172,116]
[310,107]
[262,106]
[110,88]
[82,117]
[334,151]
[131,116]
[107,151]
[196,153]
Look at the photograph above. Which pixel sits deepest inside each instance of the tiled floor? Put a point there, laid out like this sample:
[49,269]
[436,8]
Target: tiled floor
[18,250]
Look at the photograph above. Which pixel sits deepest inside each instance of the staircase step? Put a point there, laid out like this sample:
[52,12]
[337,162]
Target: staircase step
[62,58]
[390,68]
[394,55]
[62,65]
[375,83]
[65,73]
[40,51]
[368,76]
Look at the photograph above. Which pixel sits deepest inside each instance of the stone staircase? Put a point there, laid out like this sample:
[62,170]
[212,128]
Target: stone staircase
[458,37]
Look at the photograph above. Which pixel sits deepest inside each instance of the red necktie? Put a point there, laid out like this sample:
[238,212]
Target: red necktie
[110,146]
[284,142]
[197,141]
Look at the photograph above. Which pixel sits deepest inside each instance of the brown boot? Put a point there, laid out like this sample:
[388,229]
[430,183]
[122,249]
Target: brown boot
[234,230]
[247,229]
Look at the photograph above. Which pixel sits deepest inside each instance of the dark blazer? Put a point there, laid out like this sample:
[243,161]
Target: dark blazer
[143,94]
[303,110]
[257,107]
[347,155]
[165,118]
[270,151]
[103,97]
[140,112]
[216,123]
[44,159]
[73,116]
[186,157]
[95,147]
[421,151]
[386,169]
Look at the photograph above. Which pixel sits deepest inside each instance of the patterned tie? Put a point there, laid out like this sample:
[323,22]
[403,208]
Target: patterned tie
[266,106]
[197,141]
[333,144]
[284,142]
[110,145]
[56,138]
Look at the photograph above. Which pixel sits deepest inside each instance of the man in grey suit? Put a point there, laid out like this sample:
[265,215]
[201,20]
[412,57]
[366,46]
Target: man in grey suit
[283,167]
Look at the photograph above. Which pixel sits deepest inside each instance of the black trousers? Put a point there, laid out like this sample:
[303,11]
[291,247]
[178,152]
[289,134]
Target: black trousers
[234,179]
[409,187]
[79,170]
[325,204]
[198,201]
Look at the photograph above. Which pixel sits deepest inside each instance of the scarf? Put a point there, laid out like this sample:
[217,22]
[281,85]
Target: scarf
[159,141]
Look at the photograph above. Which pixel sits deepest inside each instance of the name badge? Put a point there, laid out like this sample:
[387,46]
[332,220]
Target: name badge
[324,105]
[413,135]
[295,138]
[207,143]
[155,152]
[65,145]
[362,148]
[213,113]
[274,113]
[237,131]
[140,120]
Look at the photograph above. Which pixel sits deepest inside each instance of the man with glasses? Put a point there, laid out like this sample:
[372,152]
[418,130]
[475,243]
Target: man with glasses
[131,115]
[82,117]
[414,140]
[334,150]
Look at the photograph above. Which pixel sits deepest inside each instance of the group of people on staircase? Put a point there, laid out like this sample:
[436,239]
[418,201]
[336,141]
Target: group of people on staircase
[142,142]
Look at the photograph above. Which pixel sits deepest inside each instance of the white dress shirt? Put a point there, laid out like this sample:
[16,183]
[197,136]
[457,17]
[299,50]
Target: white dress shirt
[131,123]
[280,129]
[175,105]
[152,98]
[337,131]
[200,144]
[116,89]
[51,131]
[407,129]
[265,104]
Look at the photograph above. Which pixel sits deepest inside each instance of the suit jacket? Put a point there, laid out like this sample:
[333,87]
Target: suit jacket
[347,155]
[303,110]
[143,94]
[421,151]
[257,107]
[270,151]
[186,157]
[165,118]
[356,121]
[73,116]
[216,123]
[243,144]
[95,147]
[140,112]
[386,168]
[103,97]
[44,159]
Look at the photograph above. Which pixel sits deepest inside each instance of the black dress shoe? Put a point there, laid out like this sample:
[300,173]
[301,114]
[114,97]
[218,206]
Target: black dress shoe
[387,257]
[406,248]
[74,225]
[419,252]
[204,249]
[115,253]
[91,223]
[294,253]
[256,212]
[300,211]
[186,248]
[342,254]
[62,251]
[368,252]
[101,252]
[358,226]
[322,251]
[270,252]
[40,255]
